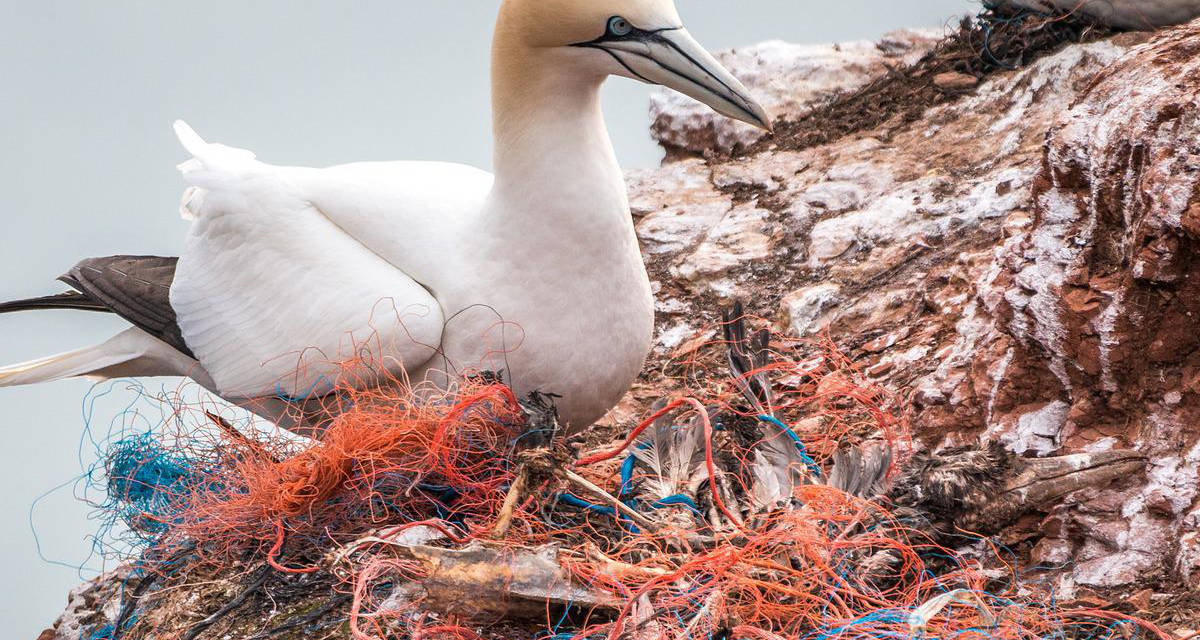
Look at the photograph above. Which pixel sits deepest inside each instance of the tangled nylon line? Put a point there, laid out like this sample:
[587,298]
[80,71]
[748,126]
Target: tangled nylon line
[668,523]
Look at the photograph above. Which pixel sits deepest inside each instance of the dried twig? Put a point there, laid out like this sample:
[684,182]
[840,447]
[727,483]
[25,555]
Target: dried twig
[596,491]
[259,580]
[308,618]
[505,518]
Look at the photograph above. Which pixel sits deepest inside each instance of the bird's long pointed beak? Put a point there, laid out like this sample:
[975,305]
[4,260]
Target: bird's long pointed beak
[671,57]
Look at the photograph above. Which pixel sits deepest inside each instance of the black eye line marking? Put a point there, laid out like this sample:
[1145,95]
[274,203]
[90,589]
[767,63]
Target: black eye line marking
[619,61]
[634,34]
[695,63]
[675,72]
[653,36]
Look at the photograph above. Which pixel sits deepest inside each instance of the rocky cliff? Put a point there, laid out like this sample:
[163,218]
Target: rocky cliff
[1015,251]
[1020,261]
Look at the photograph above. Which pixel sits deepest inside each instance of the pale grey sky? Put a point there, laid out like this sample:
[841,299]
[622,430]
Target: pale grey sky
[87,165]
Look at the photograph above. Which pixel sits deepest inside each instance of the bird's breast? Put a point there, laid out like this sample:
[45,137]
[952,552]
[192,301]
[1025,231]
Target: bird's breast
[577,324]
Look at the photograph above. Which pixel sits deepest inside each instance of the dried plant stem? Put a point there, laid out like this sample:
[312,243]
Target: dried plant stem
[584,483]
[504,521]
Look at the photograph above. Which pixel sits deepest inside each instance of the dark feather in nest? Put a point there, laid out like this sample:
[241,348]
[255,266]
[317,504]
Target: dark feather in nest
[862,471]
[931,493]
[951,483]
[749,355]
[541,421]
[778,466]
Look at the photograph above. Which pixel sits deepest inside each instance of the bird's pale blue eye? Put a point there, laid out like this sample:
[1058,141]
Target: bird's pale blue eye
[619,26]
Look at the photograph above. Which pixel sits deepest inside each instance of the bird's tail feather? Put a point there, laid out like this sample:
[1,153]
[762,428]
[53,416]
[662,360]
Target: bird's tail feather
[129,353]
[213,167]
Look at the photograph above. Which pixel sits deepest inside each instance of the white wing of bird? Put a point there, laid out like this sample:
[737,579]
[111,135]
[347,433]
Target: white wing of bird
[311,286]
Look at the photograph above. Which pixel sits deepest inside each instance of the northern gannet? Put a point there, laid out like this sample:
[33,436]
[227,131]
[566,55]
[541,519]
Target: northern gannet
[431,269]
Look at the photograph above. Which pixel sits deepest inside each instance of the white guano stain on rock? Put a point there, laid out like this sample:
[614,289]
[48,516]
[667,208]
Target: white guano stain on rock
[675,336]
[805,307]
[1040,431]
[736,239]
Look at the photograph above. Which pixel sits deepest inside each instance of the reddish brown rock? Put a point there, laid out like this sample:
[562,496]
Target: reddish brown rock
[1102,291]
[1021,263]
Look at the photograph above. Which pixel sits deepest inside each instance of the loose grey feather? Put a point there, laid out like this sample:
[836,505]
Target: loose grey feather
[671,457]
[749,355]
[862,472]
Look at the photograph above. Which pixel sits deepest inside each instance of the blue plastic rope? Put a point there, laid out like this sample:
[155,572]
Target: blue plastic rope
[677,500]
[575,501]
[812,465]
[627,475]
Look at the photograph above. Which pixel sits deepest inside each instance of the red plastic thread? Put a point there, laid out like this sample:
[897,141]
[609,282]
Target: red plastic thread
[274,553]
[633,436]
[711,464]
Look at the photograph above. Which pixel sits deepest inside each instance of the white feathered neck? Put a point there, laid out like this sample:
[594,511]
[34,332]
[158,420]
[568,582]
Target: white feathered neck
[549,129]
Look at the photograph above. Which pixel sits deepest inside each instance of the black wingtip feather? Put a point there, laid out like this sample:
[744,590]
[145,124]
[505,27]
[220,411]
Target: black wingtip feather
[70,300]
[137,288]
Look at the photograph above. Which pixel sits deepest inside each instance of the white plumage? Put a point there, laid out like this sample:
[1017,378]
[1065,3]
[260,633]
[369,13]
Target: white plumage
[295,280]
[331,258]
[319,296]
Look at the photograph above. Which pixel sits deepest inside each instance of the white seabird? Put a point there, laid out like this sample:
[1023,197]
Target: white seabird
[431,269]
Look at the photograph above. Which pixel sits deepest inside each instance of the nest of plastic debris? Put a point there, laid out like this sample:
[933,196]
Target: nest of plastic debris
[773,499]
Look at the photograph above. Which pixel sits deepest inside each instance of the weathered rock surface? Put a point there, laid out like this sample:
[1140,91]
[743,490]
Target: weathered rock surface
[1024,262]
[1100,298]
[787,79]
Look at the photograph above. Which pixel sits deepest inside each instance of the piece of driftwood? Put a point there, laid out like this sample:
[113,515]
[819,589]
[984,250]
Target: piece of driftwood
[1040,481]
[486,581]
[986,489]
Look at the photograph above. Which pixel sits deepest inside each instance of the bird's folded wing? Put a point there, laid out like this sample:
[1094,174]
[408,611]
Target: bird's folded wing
[416,215]
[276,299]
